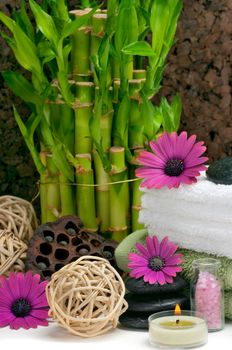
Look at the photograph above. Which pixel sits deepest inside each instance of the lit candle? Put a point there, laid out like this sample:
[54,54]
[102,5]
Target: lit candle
[177,329]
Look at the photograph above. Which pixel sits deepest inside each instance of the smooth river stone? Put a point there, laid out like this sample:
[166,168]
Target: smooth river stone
[146,304]
[138,286]
[220,172]
[134,320]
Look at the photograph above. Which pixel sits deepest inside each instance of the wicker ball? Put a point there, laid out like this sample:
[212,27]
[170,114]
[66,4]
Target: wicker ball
[17,216]
[12,253]
[87,296]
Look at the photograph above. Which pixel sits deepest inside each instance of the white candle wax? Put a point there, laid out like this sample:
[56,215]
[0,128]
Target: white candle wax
[177,335]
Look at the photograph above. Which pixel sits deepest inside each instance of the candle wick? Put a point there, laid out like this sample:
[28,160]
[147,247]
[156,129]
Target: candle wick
[177,321]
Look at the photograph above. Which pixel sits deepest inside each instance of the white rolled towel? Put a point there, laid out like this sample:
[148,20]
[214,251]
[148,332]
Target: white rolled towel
[197,216]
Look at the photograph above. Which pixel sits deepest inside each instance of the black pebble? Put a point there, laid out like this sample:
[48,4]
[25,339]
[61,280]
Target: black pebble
[220,172]
[146,304]
[138,286]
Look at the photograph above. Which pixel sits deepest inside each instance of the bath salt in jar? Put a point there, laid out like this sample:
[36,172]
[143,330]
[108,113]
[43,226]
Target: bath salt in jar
[207,295]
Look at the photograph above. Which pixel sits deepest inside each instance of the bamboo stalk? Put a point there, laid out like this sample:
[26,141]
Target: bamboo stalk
[136,195]
[139,74]
[85,194]
[135,129]
[83,114]
[52,190]
[66,196]
[102,194]
[119,194]
[43,190]
[98,31]
[80,55]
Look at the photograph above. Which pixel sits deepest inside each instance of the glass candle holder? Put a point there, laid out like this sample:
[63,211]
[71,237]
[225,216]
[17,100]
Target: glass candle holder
[207,294]
[170,331]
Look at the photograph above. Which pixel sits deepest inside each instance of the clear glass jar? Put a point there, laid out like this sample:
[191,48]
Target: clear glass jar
[207,294]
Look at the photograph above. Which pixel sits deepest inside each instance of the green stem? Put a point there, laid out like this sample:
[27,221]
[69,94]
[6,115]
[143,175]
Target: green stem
[85,194]
[119,195]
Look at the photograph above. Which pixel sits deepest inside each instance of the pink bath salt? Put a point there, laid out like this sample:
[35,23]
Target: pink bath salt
[208,299]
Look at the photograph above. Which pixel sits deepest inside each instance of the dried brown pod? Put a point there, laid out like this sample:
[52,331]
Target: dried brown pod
[59,243]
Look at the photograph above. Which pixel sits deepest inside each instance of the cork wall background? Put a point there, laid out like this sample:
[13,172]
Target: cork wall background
[199,68]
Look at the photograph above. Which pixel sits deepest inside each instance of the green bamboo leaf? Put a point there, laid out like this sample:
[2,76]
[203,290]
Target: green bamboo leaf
[26,21]
[45,23]
[59,9]
[45,51]
[61,162]
[176,106]
[176,8]
[168,117]
[139,48]
[157,121]
[21,87]
[9,23]
[66,52]
[28,138]
[122,121]
[159,23]
[65,87]
[20,123]
[71,27]
[127,26]
[24,49]
[147,115]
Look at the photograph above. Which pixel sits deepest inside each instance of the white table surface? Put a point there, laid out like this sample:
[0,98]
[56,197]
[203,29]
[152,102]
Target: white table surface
[58,339]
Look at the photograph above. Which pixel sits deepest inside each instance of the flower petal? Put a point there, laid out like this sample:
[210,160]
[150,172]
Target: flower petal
[150,246]
[160,277]
[39,313]
[18,322]
[133,257]
[174,260]
[151,160]
[142,250]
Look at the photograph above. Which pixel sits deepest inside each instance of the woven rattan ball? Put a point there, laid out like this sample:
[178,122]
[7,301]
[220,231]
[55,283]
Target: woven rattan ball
[87,296]
[18,216]
[12,253]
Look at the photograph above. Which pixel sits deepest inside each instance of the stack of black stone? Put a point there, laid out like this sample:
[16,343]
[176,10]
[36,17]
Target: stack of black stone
[145,299]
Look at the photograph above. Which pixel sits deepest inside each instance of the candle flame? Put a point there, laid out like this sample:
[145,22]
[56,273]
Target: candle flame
[177,310]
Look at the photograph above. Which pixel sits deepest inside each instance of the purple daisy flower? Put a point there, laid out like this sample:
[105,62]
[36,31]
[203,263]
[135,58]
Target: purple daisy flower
[157,262]
[23,302]
[175,159]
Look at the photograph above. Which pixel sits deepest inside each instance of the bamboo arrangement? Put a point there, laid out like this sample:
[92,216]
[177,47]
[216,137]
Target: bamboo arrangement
[92,77]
